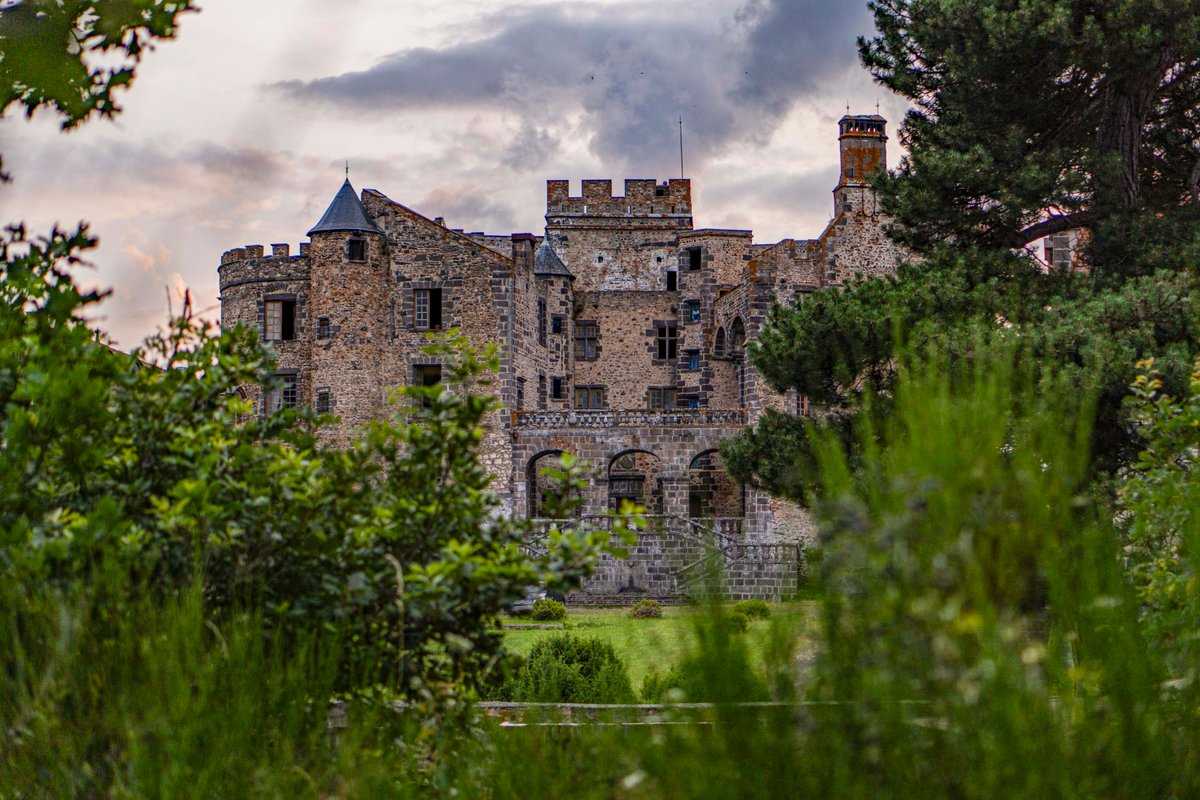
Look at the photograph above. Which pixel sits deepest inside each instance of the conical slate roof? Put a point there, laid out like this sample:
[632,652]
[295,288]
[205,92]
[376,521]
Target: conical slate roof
[345,213]
[547,262]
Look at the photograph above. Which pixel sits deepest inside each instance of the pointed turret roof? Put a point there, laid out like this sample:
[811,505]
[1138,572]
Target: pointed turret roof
[345,213]
[547,262]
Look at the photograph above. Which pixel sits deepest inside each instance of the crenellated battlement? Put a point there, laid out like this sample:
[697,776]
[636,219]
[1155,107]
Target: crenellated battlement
[251,265]
[258,251]
[643,197]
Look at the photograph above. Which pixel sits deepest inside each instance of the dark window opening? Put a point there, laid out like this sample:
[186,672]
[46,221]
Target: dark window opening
[667,343]
[589,397]
[356,249]
[672,281]
[427,375]
[542,392]
[719,344]
[660,191]
[587,334]
[541,322]
[693,311]
[427,309]
[695,255]
[520,394]
[556,388]
[280,320]
[324,329]
[324,401]
[556,324]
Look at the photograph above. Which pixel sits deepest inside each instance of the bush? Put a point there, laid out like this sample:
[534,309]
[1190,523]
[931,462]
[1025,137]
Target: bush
[548,610]
[752,609]
[646,609]
[737,622]
[572,669]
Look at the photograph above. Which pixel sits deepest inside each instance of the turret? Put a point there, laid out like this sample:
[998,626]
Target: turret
[863,144]
[349,258]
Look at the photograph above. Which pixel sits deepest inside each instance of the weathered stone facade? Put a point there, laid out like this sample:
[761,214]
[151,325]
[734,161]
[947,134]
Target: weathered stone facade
[622,332]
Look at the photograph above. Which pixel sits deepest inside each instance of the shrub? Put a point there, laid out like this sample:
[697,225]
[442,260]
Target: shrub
[573,669]
[738,622]
[646,609]
[752,609]
[548,610]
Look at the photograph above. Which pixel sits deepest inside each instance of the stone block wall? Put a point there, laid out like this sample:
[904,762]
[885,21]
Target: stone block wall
[627,365]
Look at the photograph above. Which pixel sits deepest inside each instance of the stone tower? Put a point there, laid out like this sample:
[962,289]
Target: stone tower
[348,302]
[863,144]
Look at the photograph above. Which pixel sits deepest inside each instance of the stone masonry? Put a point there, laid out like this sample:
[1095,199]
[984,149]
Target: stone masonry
[622,331]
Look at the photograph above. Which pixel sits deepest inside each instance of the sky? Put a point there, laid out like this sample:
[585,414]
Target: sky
[238,131]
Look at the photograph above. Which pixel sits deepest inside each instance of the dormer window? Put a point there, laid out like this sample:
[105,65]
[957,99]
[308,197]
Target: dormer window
[356,250]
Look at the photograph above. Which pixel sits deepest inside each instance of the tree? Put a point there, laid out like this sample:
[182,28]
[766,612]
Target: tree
[1038,116]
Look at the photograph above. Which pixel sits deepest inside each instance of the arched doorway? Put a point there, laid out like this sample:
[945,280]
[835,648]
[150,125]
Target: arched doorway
[636,475]
[536,482]
[711,492]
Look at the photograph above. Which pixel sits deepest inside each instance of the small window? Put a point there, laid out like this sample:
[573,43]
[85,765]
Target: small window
[324,329]
[672,281]
[286,395]
[660,191]
[541,321]
[556,324]
[542,392]
[599,259]
[427,375]
[556,388]
[693,311]
[427,309]
[356,249]
[693,359]
[589,397]
[667,343]
[695,257]
[663,399]
[587,334]
[658,259]
[520,394]
[280,320]
[690,403]
[324,401]
[802,407]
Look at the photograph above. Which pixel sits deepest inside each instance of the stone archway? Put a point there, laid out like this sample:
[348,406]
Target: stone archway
[712,493]
[636,475]
[535,481]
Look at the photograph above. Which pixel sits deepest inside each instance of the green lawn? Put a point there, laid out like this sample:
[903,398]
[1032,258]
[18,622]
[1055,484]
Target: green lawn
[652,645]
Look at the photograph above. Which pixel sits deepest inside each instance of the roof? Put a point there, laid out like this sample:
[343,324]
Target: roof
[345,213]
[547,262]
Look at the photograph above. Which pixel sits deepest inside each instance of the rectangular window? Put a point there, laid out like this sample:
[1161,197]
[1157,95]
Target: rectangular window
[324,401]
[587,335]
[324,330]
[356,249]
[667,343]
[427,375]
[520,394]
[556,388]
[287,395]
[427,309]
[589,397]
[542,392]
[541,321]
[690,403]
[693,311]
[280,320]
[556,324]
[663,399]
[693,357]
[695,256]
[672,280]
[802,407]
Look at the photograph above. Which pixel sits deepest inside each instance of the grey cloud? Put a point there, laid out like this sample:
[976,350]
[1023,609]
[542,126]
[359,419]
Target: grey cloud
[731,74]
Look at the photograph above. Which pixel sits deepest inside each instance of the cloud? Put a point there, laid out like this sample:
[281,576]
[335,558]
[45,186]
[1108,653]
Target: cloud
[618,76]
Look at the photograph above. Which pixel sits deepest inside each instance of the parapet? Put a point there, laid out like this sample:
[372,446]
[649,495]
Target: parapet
[643,197]
[257,251]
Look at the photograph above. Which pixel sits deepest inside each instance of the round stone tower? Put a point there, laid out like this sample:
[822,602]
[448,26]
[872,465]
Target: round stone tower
[348,267]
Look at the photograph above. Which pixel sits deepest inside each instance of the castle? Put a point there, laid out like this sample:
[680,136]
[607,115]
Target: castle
[622,333]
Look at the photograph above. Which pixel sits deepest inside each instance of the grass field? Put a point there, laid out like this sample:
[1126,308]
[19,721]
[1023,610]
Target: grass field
[652,645]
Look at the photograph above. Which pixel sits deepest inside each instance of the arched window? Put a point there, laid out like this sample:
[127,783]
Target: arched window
[737,335]
[719,345]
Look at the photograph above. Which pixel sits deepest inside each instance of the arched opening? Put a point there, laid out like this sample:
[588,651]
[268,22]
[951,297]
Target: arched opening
[737,341]
[537,483]
[719,344]
[711,492]
[636,475]
[737,336]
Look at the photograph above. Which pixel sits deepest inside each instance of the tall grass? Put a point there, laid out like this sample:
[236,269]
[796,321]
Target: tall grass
[979,639]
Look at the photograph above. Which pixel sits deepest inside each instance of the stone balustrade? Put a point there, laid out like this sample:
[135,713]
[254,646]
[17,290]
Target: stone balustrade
[630,418]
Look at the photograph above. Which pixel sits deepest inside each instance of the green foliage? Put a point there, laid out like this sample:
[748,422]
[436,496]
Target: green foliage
[840,348]
[573,669]
[548,610]
[752,609]
[153,464]
[1161,498]
[646,608]
[1104,126]
[718,670]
